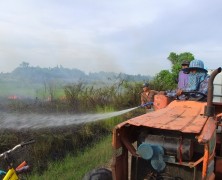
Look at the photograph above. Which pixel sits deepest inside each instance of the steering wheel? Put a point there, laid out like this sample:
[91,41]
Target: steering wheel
[188,95]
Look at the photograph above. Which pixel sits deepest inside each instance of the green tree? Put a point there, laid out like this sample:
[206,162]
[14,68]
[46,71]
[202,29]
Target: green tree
[167,79]
[163,81]
[24,65]
[179,58]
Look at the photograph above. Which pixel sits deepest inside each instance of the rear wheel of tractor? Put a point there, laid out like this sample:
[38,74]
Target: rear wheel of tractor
[98,174]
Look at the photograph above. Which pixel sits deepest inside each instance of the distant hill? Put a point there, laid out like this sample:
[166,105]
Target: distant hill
[37,75]
[27,81]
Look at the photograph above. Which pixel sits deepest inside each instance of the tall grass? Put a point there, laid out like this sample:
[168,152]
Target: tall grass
[118,96]
[75,167]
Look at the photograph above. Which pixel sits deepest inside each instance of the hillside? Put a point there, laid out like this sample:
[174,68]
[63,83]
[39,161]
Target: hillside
[28,81]
[40,75]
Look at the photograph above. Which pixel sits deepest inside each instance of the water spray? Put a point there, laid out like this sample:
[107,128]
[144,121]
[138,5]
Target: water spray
[38,121]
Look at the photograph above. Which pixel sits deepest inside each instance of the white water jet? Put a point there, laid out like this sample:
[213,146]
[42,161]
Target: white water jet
[38,121]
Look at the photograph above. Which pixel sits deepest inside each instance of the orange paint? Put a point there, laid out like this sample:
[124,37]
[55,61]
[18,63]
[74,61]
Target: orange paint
[205,161]
[160,101]
[183,116]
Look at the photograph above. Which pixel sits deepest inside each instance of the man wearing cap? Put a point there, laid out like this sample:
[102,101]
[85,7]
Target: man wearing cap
[197,79]
[183,75]
[147,96]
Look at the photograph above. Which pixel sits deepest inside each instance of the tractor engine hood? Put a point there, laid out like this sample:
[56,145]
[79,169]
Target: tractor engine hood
[182,116]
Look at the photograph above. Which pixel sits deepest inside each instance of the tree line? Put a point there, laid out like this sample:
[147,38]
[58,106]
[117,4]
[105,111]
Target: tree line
[65,75]
[118,91]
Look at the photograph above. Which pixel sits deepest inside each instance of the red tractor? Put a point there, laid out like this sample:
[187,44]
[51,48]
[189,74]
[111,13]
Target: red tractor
[181,139]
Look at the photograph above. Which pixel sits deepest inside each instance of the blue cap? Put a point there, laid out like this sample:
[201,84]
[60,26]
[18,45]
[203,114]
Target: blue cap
[196,64]
[145,85]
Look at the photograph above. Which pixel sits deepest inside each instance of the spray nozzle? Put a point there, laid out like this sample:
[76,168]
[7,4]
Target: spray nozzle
[146,104]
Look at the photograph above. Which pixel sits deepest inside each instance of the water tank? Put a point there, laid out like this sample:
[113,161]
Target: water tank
[217,96]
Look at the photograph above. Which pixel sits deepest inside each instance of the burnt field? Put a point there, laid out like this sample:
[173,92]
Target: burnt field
[56,134]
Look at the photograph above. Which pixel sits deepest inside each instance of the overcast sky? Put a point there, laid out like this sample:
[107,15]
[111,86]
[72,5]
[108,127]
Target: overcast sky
[129,36]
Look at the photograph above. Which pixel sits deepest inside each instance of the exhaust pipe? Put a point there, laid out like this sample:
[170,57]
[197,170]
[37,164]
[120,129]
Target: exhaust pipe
[209,108]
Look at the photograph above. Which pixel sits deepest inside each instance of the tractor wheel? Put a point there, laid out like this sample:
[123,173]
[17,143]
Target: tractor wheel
[98,174]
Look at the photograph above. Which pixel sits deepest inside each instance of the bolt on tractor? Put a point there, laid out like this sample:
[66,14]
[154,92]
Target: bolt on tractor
[180,140]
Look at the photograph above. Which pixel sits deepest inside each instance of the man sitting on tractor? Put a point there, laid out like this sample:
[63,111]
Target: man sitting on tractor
[196,87]
[197,81]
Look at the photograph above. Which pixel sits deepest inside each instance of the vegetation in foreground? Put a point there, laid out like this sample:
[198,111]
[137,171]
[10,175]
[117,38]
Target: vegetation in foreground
[53,145]
[75,167]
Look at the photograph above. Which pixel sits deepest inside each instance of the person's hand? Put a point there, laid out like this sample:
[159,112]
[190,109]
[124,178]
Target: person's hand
[148,107]
[162,93]
[179,92]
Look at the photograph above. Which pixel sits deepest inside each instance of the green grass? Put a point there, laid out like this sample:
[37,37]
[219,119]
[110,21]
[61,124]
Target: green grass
[75,167]
[14,89]
[27,89]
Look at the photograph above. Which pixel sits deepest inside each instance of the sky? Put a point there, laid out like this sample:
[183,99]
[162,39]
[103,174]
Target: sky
[123,36]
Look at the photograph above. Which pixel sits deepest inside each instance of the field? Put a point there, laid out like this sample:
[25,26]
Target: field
[55,146]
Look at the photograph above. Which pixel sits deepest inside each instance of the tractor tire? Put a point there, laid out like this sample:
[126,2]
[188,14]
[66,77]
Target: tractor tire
[98,174]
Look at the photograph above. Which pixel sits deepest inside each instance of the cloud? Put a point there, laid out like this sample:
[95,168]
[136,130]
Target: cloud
[123,36]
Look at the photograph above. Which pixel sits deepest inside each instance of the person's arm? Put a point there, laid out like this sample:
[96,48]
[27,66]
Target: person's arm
[204,85]
[142,99]
[155,92]
[179,92]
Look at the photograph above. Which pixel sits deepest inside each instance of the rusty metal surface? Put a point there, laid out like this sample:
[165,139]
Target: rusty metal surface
[183,116]
[218,169]
[207,132]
